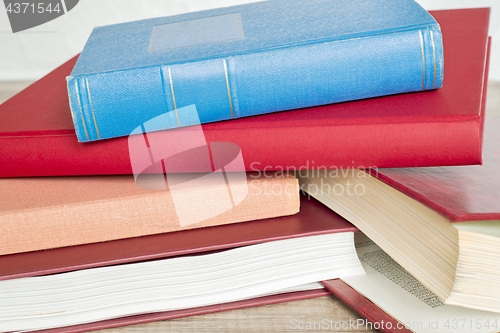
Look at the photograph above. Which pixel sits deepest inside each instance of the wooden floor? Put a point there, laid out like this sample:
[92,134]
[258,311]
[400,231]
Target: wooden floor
[271,318]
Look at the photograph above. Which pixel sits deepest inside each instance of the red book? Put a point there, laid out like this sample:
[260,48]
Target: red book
[440,127]
[442,224]
[313,219]
[460,193]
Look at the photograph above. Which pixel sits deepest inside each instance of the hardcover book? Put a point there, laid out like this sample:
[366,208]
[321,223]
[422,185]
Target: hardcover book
[251,59]
[313,219]
[437,127]
[48,212]
[410,212]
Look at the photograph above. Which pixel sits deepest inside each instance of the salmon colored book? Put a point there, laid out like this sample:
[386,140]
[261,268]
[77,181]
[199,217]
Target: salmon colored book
[44,213]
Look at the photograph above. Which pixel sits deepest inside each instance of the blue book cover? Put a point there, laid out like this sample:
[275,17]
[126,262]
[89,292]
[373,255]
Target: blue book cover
[250,59]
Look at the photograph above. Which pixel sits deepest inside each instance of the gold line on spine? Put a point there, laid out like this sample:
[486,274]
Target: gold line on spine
[239,25]
[153,42]
[81,110]
[92,108]
[173,96]
[434,54]
[423,58]
[228,89]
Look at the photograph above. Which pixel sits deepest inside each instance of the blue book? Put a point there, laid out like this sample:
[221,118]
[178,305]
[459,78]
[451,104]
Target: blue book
[250,59]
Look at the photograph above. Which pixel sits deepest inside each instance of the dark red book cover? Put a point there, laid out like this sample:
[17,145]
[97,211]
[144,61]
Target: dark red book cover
[364,306]
[432,128]
[313,219]
[460,193]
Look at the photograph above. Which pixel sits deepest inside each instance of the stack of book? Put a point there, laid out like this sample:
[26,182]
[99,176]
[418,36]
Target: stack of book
[190,164]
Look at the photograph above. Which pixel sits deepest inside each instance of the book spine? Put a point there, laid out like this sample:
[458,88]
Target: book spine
[377,144]
[121,103]
[147,212]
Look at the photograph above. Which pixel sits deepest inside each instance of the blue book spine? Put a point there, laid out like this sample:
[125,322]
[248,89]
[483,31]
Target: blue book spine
[120,102]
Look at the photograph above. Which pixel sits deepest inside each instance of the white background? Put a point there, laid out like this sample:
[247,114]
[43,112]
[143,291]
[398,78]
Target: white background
[33,53]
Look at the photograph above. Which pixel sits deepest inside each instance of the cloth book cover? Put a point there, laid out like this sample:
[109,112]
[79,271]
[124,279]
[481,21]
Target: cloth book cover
[437,127]
[313,219]
[48,212]
[251,59]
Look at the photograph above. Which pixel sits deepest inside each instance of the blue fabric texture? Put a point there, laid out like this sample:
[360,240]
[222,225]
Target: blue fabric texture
[251,59]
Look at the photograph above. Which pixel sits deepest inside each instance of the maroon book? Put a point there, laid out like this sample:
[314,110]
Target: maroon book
[440,127]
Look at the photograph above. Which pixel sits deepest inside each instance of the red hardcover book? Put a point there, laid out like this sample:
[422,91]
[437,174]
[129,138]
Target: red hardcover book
[313,219]
[460,193]
[440,127]
[411,214]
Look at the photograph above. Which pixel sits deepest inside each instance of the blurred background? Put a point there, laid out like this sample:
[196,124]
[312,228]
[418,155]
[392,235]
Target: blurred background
[28,55]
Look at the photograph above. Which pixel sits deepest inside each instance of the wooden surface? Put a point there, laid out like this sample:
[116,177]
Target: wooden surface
[269,318]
